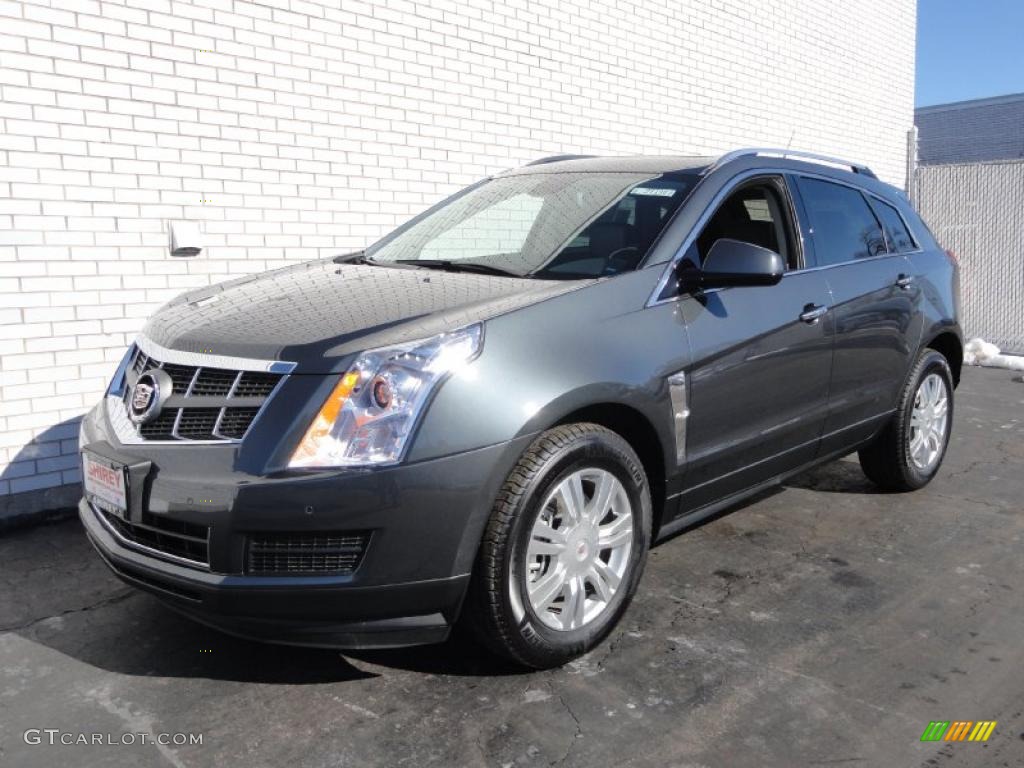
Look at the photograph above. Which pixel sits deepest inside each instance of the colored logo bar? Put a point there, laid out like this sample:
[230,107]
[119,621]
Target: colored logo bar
[958,730]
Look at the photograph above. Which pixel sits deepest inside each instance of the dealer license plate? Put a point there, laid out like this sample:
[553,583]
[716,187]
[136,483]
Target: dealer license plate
[105,484]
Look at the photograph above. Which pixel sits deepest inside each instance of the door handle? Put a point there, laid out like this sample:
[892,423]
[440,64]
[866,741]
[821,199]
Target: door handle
[904,281]
[813,313]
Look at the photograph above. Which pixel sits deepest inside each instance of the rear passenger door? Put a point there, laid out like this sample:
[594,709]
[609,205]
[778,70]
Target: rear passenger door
[871,308]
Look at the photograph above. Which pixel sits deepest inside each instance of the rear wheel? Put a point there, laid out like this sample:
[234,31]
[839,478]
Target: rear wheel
[910,450]
[564,548]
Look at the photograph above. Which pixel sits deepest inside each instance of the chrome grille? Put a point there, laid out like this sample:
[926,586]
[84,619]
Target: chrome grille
[255,384]
[236,421]
[214,381]
[161,426]
[139,361]
[181,375]
[208,403]
[198,423]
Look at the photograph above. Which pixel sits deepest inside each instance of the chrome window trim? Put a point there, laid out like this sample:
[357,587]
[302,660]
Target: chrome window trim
[726,190]
[843,263]
[135,546]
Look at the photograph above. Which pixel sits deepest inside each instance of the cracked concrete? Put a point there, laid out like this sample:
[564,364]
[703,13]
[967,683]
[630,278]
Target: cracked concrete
[822,624]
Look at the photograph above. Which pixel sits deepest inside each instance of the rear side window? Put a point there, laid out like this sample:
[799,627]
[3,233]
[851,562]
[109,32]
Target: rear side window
[843,224]
[896,232]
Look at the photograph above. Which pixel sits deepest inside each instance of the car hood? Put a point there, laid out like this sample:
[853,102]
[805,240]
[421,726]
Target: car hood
[317,313]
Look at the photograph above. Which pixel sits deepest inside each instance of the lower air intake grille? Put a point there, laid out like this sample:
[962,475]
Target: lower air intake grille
[172,537]
[297,554]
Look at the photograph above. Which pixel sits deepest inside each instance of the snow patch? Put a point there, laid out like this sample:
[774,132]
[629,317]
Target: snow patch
[981,352]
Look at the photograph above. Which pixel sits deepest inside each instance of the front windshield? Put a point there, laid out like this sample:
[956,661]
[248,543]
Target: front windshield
[548,225]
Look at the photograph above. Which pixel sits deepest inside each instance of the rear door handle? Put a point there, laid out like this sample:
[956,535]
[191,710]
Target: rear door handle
[813,313]
[904,281]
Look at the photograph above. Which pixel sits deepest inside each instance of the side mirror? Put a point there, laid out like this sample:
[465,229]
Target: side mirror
[735,262]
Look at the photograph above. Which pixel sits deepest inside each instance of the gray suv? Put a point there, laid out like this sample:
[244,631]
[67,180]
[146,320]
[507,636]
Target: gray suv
[491,414]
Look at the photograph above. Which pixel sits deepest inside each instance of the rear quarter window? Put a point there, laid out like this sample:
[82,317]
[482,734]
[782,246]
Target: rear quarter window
[896,231]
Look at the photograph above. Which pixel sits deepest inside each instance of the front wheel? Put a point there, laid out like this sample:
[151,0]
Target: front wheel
[564,548]
[910,450]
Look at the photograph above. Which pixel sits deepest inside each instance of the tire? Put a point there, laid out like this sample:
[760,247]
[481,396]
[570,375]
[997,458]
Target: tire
[890,461]
[531,542]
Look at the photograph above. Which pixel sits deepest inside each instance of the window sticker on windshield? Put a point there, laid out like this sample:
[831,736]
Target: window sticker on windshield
[652,192]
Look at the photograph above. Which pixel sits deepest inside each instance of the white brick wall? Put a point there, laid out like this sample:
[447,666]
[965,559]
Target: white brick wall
[296,128]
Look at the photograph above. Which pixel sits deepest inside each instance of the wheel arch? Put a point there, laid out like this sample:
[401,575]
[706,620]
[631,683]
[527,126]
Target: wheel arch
[636,429]
[949,345]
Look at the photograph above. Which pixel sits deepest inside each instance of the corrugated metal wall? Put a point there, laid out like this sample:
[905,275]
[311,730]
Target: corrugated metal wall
[977,210]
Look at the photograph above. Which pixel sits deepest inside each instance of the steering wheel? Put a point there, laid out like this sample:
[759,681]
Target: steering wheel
[629,254]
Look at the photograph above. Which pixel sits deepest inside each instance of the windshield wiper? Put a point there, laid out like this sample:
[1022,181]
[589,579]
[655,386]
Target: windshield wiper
[459,266]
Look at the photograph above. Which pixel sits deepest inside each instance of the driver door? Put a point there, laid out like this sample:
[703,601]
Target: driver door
[761,355]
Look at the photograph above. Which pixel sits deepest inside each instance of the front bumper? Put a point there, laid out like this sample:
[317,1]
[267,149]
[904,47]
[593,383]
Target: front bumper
[424,520]
[296,611]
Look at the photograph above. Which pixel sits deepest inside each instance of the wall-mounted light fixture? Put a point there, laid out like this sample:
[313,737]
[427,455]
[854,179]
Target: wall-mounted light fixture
[185,238]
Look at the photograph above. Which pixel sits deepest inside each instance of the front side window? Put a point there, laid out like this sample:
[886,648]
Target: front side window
[755,213]
[842,223]
[557,226]
[896,232]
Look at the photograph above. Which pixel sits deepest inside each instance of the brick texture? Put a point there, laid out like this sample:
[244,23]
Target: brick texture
[291,129]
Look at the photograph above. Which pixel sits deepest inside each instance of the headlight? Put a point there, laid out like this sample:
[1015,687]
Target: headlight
[370,414]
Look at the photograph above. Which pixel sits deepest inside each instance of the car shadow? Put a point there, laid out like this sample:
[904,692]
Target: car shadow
[842,476]
[460,656]
[145,638]
[133,634]
[71,604]
[699,521]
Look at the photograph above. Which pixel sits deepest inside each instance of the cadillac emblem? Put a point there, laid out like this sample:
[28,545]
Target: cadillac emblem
[149,395]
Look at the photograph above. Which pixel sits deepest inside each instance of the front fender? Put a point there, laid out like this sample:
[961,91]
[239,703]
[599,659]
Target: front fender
[594,346]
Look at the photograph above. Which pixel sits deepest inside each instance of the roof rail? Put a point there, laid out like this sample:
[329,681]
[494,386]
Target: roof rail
[794,155]
[557,158]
